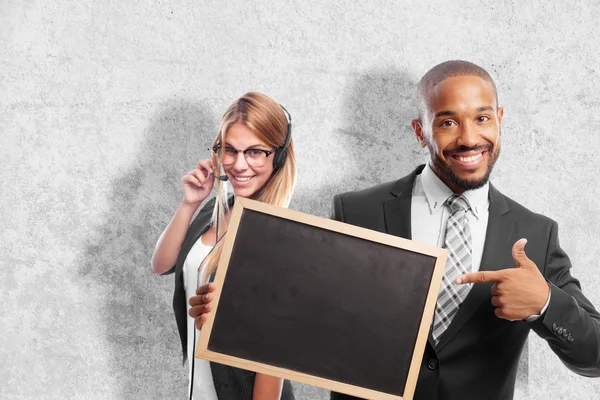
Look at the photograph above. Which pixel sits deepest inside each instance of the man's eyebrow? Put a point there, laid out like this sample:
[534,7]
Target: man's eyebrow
[446,113]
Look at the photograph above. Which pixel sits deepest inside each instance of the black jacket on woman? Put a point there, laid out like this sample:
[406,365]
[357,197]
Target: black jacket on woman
[230,383]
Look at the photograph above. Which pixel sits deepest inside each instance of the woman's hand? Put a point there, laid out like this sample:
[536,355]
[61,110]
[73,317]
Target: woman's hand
[198,183]
[201,304]
[267,387]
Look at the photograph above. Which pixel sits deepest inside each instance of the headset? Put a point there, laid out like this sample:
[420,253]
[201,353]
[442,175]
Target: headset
[281,152]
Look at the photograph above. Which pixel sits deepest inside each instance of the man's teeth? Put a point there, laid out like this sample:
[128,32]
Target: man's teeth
[470,159]
[243,178]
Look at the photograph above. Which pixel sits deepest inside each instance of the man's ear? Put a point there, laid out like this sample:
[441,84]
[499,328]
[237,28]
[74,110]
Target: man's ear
[418,128]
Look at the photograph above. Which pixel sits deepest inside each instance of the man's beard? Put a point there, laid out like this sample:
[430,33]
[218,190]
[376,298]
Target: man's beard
[448,175]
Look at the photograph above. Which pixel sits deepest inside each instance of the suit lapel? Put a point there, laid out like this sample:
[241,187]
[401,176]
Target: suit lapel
[496,247]
[199,226]
[397,219]
[397,210]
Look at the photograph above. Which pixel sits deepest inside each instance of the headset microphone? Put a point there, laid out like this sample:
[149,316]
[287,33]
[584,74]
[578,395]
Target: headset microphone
[222,178]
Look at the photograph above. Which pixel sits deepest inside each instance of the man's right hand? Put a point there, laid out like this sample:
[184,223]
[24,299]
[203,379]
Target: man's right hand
[201,304]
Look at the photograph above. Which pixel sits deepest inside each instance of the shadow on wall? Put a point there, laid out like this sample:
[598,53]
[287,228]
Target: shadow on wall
[375,142]
[138,322]
[378,112]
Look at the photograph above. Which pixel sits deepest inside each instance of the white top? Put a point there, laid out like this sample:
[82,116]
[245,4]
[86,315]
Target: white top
[429,215]
[204,388]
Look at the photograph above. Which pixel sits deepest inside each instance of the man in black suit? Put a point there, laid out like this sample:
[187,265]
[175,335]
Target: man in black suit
[494,292]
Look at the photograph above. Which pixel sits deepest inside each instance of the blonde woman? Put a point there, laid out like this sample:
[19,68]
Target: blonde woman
[254,149]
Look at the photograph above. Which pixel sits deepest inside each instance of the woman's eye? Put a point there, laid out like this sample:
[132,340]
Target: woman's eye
[230,150]
[255,152]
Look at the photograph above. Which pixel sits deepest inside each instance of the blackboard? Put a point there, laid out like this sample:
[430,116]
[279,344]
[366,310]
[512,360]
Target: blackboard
[321,302]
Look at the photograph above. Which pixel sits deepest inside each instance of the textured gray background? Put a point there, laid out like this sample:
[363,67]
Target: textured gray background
[104,105]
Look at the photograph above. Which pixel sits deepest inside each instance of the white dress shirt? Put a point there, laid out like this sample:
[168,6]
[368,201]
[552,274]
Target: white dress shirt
[429,214]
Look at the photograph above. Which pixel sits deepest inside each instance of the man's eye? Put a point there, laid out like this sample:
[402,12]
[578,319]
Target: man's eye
[483,118]
[448,123]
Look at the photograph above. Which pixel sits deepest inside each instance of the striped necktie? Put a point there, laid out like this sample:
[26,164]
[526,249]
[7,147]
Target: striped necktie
[458,243]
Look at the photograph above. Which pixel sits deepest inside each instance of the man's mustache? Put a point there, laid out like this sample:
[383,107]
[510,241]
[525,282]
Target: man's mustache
[462,149]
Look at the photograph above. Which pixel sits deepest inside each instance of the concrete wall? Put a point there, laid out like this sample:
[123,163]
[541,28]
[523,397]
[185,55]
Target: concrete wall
[104,105]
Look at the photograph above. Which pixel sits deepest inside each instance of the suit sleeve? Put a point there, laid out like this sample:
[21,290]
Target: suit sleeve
[337,213]
[571,324]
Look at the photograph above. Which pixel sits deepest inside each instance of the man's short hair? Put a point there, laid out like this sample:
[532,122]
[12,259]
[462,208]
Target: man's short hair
[444,71]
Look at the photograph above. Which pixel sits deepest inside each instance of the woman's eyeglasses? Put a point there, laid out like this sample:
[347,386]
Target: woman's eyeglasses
[254,157]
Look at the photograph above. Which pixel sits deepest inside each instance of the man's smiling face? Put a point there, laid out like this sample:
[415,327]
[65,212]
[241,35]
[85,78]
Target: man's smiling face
[461,129]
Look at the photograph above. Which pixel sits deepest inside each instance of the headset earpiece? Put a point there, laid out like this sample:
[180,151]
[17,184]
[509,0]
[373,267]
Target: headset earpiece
[281,152]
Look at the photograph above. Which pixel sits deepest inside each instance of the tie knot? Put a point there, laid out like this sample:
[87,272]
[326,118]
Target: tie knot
[458,202]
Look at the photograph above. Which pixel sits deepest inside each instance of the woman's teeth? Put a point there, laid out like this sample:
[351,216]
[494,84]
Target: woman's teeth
[243,178]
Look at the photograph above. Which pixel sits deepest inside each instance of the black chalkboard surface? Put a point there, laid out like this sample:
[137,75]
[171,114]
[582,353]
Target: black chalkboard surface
[322,302]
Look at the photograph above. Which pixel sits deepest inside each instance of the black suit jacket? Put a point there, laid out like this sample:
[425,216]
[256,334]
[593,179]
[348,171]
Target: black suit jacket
[477,357]
[230,383]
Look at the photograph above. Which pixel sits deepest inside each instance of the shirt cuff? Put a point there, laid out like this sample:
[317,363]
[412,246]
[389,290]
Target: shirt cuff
[535,317]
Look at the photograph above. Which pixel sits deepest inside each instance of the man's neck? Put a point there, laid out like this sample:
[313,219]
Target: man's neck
[455,189]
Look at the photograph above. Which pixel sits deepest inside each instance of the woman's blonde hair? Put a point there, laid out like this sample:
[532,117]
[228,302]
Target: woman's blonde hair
[267,120]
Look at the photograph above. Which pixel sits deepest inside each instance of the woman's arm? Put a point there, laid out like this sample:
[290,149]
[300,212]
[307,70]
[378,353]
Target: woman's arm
[267,387]
[197,185]
[169,243]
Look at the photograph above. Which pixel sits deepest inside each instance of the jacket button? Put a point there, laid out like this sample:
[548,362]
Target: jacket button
[560,330]
[565,333]
[432,364]
[570,338]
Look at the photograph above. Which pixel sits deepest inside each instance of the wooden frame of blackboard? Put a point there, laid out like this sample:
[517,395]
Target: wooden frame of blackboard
[432,276]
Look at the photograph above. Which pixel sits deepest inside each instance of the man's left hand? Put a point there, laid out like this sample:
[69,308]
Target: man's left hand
[517,293]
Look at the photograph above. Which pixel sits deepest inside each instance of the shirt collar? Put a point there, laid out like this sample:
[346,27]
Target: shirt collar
[436,193]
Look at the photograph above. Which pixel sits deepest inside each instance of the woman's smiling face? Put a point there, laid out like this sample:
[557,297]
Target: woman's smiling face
[246,179]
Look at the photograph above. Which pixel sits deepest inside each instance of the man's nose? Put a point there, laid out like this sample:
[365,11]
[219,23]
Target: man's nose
[469,136]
